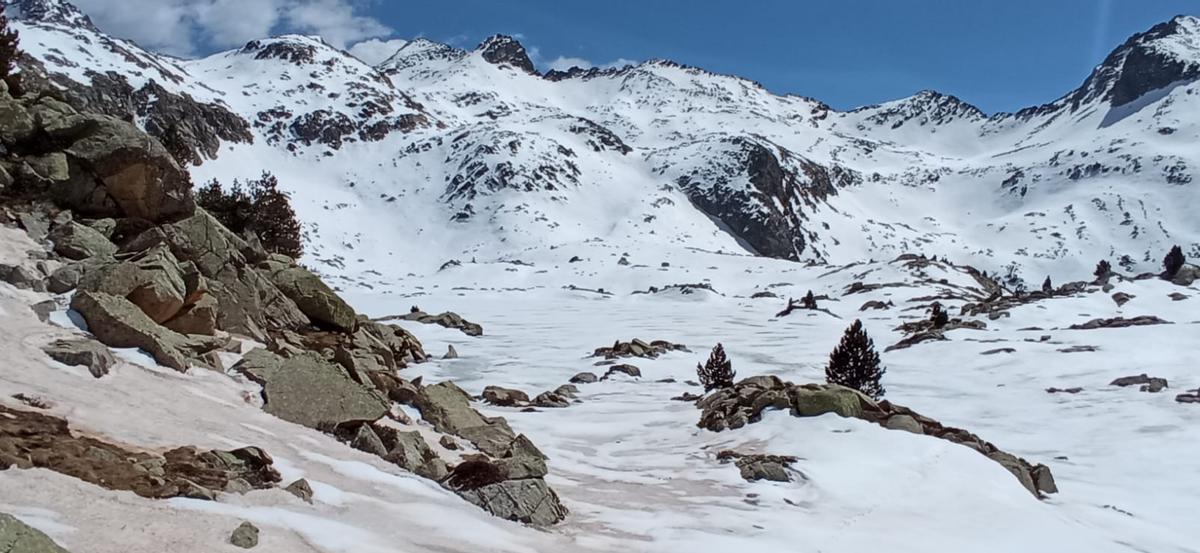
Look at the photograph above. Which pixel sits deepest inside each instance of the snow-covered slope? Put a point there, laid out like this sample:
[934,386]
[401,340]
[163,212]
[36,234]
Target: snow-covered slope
[475,154]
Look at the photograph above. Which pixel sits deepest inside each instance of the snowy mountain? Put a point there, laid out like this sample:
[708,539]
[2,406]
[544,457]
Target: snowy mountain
[478,154]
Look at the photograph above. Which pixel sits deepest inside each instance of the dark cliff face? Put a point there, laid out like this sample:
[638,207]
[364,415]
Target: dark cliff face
[767,214]
[505,50]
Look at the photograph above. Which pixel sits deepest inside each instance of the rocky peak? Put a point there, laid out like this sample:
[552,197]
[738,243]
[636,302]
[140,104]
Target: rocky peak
[505,50]
[1165,54]
[417,51]
[294,49]
[927,107]
[58,12]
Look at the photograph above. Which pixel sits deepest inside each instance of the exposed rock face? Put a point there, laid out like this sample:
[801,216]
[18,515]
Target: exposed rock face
[18,537]
[529,500]
[744,403]
[83,352]
[505,50]
[447,319]
[33,440]
[310,391]
[314,298]
[153,280]
[637,348]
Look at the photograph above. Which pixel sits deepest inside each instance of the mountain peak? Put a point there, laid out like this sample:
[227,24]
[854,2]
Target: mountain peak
[58,12]
[506,50]
[297,49]
[1165,54]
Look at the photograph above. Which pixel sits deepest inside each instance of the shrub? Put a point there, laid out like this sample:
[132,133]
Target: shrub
[258,207]
[1173,261]
[855,364]
[717,372]
[810,301]
[938,316]
[9,46]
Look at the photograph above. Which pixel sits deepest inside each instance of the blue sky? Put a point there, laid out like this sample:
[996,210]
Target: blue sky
[1000,56]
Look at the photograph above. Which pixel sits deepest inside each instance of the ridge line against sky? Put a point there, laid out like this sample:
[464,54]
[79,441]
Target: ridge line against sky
[998,57]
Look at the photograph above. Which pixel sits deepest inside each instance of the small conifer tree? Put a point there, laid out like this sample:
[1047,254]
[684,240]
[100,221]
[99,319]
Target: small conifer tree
[1173,261]
[810,301]
[1103,270]
[717,372]
[854,363]
[1047,287]
[938,316]
[259,207]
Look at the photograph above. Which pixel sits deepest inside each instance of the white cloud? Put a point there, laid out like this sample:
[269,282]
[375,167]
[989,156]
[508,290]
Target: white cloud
[563,63]
[375,51]
[184,27]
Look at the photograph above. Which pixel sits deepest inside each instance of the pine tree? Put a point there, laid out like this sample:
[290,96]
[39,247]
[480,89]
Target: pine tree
[1173,262]
[9,46]
[855,364]
[810,301]
[717,372]
[1047,287]
[938,316]
[1103,270]
[259,207]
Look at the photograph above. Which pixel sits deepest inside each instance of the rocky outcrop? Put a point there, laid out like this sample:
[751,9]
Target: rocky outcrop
[314,298]
[34,440]
[637,348]
[1145,383]
[505,50]
[447,319]
[82,352]
[745,402]
[310,391]
[755,467]
[77,241]
[1119,322]
[18,537]
[119,323]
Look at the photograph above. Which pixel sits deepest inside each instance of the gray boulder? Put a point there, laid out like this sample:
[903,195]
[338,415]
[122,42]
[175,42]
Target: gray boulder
[301,489]
[448,408]
[119,171]
[83,352]
[310,391]
[530,501]
[504,397]
[314,298]
[18,537]
[76,241]
[23,277]
[152,279]
[245,536]
[584,378]
[118,323]
[409,451]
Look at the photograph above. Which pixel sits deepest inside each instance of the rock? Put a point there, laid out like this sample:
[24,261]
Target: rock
[448,443]
[118,323]
[448,409]
[764,294]
[530,501]
[76,241]
[245,536]
[504,397]
[152,279]
[904,422]
[314,298]
[18,537]
[1122,298]
[43,309]
[1186,275]
[874,304]
[1176,296]
[567,391]
[1119,322]
[301,489]
[367,440]
[48,169]
[687,396]
[622,369]
[1043,480]
[23,277]
[1147,383]
[16,123]
[551,400]
[310,391]
[762,467]
[409,451]
[451,353]
[1074,390]
[446,319]
[814,400]
[88,353]
[637,348]
[998,350]
[1193,396]
[119,171]
[1017,467]
[523,460]
[584,378]
[35,223]
[198,318]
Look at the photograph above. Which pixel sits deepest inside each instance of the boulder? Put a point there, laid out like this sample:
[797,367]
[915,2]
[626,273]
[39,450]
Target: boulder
[18,537]
[584,378]
[366,439]
[409,451]
[310,391]
[118,323]
[1186,275]
[904,422]
[198,318]
[16,123]
[1147,383]
[76,241]
[314,298]
[301,489]
[151,279]
[625,369]
[1121,298]
[504,397]
[23,277]
[813,400]
[757,467]
[244,536]
[448,409]
[119,171]
[530,501]
[551,400]
[83,352]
